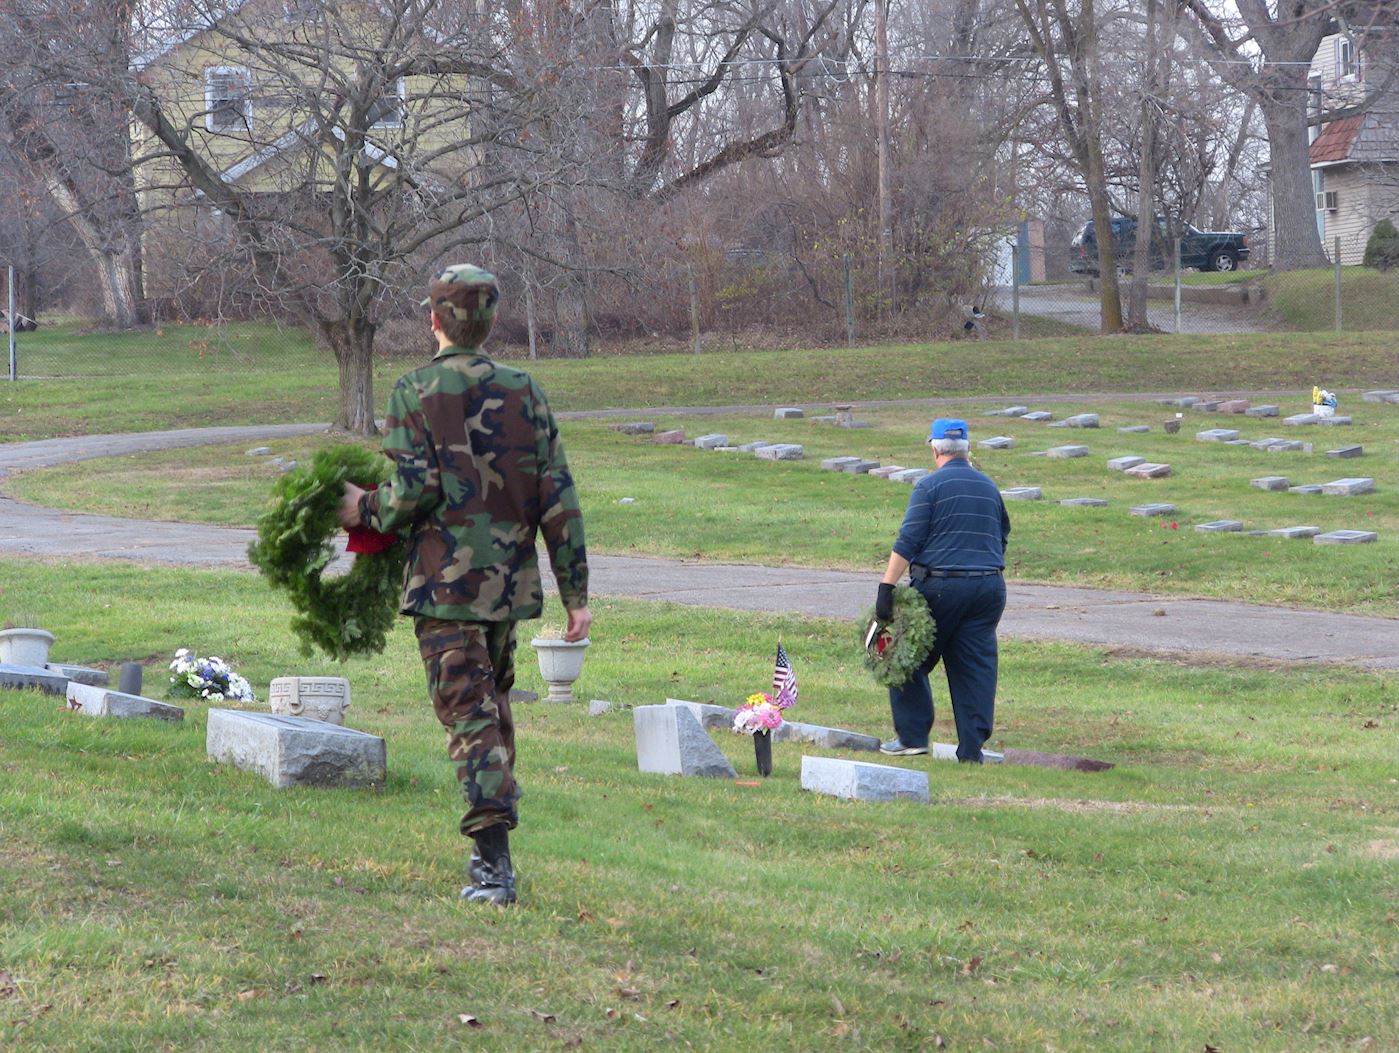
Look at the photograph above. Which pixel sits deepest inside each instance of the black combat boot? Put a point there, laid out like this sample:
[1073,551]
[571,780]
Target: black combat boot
[493,878]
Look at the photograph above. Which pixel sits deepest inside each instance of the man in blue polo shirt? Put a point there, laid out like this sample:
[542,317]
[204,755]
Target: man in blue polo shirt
[952,545]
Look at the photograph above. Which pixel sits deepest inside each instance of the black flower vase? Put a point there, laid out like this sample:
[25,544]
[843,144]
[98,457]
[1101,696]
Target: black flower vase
[762,751]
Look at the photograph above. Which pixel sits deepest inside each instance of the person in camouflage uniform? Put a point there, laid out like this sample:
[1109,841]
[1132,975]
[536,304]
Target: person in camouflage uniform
[479,471]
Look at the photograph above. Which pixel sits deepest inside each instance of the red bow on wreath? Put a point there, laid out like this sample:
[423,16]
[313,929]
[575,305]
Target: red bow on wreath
[367,541]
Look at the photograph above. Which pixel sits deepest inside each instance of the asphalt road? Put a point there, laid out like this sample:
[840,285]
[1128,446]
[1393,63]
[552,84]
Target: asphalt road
[1075,305]
[1138,622]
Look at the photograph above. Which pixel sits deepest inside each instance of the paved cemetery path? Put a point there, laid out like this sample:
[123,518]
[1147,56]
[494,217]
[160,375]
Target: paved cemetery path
[1135,621]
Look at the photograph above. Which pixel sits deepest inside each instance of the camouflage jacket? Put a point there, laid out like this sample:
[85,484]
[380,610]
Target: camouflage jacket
[478,469]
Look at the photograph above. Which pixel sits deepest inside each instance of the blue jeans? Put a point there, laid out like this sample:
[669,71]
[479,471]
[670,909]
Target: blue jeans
[966,611]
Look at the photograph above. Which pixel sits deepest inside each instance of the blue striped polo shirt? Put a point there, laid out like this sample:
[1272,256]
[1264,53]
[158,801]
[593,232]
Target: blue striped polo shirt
[956,520]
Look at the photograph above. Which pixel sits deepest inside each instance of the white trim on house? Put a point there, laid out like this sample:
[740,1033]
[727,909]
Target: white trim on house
[398,92]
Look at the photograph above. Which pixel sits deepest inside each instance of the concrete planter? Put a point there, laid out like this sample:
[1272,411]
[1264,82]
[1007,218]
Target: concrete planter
[315,697]
[560,663]
[25,647]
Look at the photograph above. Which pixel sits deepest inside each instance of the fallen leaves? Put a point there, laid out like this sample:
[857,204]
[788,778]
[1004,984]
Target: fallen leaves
[543,1017]
[8,987]
[469,1020]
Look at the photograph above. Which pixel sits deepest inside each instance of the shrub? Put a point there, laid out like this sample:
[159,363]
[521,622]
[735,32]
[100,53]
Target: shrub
[1382,250]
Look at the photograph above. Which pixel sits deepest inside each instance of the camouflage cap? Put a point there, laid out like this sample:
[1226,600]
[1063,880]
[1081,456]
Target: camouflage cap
[463,291]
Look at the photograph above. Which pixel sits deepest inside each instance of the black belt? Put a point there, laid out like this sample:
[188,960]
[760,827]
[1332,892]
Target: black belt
[921,573]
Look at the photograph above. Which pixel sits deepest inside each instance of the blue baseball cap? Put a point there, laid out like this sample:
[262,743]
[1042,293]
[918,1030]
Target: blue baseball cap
[948,428]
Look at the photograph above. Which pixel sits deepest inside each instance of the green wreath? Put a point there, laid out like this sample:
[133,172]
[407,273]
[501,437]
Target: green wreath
[910,639]
[344,615]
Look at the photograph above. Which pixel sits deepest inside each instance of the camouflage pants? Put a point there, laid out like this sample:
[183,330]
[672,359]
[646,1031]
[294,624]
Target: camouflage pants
[470,670]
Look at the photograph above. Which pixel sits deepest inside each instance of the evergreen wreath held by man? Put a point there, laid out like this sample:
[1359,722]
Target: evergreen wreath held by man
[479,471]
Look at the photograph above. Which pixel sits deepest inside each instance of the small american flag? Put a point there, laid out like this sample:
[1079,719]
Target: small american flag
[784,681]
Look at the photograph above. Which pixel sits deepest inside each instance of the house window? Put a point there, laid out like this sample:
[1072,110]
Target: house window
[228,98]
[387,112]
[1346,65]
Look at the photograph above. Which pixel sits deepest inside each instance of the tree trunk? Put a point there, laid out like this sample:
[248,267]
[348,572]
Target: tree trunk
[572,318]
[113,268]
[1296,242]
[352,340]
[1147,235]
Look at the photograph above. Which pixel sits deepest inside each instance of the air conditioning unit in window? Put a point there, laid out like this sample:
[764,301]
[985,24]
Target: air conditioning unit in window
[1327,200]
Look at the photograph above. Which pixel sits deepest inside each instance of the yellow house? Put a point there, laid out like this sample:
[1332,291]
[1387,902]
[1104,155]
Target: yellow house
[280,97]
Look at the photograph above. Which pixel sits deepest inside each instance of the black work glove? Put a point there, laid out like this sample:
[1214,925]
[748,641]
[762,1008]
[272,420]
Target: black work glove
[884,604]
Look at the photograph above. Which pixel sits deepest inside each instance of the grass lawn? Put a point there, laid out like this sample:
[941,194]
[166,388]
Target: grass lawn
[1306,300]
[1229,884]
[770,513]
[257,374]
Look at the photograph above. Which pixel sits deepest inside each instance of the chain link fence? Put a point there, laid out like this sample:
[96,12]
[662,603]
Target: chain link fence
[1029,283]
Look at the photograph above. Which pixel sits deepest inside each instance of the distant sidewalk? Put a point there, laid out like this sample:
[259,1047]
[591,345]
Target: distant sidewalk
[1136,622]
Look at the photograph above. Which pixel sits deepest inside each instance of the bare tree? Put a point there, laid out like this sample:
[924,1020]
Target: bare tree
[1067,44]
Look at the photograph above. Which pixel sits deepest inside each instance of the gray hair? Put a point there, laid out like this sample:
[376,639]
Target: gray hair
[950,447]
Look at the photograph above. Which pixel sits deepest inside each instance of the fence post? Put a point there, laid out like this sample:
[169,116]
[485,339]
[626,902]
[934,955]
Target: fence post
[694,310]
[1175,267]
[10,285]
[849,302]
[1015,289]
[1338,283]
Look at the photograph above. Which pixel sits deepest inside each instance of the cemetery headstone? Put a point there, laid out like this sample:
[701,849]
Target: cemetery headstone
[259,451]
[670,438]
[861,781]
[709,442]
[837,464]
[1219,526]
[1121,464]
[997,442]
[1009,411]
[909,475]
[670,741]
[1082,420]
[1084,502]
[1021,493]
[749,447]
[1348,487]
[1037,416]
[1262,411]
[1149,470]
[1334,422]
[1159,509]
[1379,395]
[885,471]
[1298,419]
[1270,482]
[1233,406]
[780,451]
[81,674]
[860,467]
[1305,488]
[634,427]
[1135,429]
[1295,532]
[32,677]
[101,702]
[1345,537]
[295,751]
[1346,452]
[1216,435]
[787,413]
[1066,452]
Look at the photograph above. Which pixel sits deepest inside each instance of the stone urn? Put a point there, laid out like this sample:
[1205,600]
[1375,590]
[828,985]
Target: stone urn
[25,647]
[315,697]
[560,662]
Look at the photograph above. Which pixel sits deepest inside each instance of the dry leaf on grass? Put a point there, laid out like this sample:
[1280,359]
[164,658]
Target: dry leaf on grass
[543,1017]
[469,1020]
